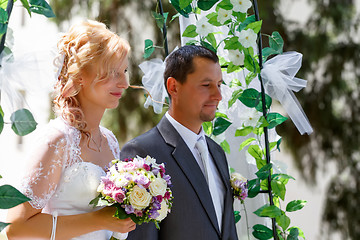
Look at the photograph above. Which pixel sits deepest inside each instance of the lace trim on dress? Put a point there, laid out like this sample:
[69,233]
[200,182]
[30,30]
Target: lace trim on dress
[62,142]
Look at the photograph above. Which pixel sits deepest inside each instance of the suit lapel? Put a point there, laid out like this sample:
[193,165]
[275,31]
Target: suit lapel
[190,168]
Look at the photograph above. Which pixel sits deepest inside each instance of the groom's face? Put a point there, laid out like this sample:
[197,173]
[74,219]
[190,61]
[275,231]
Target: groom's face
[198,97]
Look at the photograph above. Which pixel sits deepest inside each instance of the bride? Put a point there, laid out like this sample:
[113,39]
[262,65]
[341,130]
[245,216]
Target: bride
[74,150]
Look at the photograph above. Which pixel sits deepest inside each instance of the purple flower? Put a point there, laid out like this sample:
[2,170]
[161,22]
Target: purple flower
[142,180]
[129,209]
[167,178]
[153,213]
[155,171]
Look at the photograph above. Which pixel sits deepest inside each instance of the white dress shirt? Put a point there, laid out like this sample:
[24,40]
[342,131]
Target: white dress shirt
[190,138]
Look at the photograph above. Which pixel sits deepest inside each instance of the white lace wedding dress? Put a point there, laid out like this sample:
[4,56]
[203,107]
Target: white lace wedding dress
[60,182]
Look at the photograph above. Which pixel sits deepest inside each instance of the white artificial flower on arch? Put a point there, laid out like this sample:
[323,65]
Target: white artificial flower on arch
[203,27]
[224,15]
[247,38]
[236,57]
[241,5]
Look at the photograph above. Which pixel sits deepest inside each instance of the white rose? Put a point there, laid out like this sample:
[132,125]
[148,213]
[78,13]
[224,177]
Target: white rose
[139,198]
[158,187]
[163,211]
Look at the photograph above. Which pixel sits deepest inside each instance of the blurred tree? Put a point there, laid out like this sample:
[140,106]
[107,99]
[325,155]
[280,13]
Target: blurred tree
[331,56]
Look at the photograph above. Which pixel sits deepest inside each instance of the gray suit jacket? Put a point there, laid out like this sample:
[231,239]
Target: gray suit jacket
[192,215]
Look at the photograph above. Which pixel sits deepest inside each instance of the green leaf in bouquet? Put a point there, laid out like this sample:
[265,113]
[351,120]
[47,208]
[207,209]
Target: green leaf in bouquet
[263,173]
[262,232]
[295,205]
[213,19]
[264,183]
[185,11]
[235,95]
[3,21]
[243,131]
[1,111]
[225,146]
[233,43]
[276,42]
[11,197]
[190,31]
[220,125]
[3,225]
[208,46]
[279,189]
[211,38]
[148,49]
[206,4]
[237,216]
[246,143]
[22,122]
[99,202]
[247,21]
[293,234]
[268,211]
[41,7]
[275,119]
[282,177]
[26,5]
[3,4]
[208,128]
[253,187]
[250,97]
[255,26]
[184,3]
[268,102]
[225,4]
[283,221]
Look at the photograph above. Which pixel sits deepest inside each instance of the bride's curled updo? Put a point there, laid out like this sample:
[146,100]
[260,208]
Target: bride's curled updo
[86,45]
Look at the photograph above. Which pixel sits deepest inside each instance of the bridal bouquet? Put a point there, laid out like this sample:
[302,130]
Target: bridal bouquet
[138,188]
[239,186]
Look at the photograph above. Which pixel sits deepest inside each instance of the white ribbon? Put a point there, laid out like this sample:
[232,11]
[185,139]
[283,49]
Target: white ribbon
[153,81]
[279,79]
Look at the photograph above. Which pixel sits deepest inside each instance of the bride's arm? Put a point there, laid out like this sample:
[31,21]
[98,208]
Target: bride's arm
[29,223]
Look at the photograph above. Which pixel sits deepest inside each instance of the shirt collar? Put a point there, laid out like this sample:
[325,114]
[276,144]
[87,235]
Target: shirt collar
[187,135]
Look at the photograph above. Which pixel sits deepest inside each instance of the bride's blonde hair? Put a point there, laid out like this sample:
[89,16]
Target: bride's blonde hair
[86,45]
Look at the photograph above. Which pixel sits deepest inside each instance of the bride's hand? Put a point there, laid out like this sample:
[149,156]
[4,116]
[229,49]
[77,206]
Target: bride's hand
[105,217]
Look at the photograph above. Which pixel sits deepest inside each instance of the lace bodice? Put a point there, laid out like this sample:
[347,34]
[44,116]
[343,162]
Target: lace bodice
[60,180]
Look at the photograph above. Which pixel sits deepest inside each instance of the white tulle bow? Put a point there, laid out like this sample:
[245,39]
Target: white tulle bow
[153,81]
[279,79]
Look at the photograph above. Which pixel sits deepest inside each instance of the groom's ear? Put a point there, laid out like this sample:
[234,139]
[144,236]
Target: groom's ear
[172,86]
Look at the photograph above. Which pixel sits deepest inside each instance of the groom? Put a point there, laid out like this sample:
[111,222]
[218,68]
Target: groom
[203,204]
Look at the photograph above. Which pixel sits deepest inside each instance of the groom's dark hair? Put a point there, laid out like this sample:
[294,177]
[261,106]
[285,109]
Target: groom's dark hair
[180,62]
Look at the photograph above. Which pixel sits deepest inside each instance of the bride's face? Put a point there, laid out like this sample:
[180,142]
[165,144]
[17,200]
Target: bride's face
[105,92]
